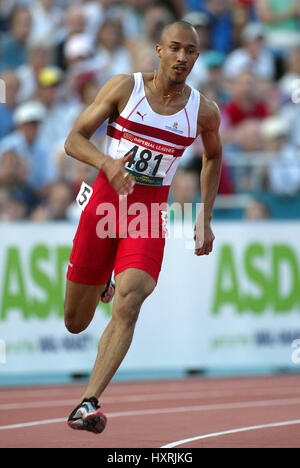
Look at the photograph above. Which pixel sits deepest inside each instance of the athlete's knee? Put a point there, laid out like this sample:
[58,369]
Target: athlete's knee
[72,322]
[128,305]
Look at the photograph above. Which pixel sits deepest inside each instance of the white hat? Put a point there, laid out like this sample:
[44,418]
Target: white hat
[196,18]
[253,31]
[274,127]
[32,111]
[78,45]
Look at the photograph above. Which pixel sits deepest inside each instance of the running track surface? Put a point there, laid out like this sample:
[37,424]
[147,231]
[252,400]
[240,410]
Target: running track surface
[257,412]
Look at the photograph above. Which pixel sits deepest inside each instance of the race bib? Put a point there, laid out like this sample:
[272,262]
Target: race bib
[150,161]
[84,195]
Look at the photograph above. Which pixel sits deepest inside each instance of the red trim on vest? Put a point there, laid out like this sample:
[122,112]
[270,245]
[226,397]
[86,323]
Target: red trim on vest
[154,132]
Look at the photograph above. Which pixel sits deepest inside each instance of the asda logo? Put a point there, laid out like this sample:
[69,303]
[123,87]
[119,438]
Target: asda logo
[42,272]
[262,278]
[34,283]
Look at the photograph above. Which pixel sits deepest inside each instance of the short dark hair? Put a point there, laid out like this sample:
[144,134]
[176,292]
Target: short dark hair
[183,24]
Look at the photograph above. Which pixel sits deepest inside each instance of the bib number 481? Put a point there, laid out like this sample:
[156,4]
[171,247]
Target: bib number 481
[144,159]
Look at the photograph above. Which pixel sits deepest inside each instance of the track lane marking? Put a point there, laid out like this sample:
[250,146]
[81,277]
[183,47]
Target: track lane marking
[230,431]
[147,397]
[212,407]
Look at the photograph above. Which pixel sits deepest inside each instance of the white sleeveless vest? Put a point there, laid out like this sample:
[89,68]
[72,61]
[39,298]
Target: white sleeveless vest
[155,141]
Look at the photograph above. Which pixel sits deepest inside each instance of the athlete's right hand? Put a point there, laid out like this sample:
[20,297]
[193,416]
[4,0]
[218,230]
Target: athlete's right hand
[118,177]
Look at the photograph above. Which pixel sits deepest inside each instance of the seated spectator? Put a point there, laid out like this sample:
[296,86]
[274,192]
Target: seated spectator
[111,56]
[282,173]
[79,56]
[185,187]
[248,137]
[214,61]
[253,55]
[27,142]
[290,81]
[131,14]
[55,206]
[144,58]
[7,109]
[243,12]
[46,20]
[156,16]
[221,26]
[257,211]
[153,19]
[75,22]
[14,210]
[13,43]
[245,103]
[13,177]
[40,54]
[282,23]
[57,122]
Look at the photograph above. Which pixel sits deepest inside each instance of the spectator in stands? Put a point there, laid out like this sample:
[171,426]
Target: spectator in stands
[156,16]
[243,12]
[55,206]
[282,173]
[131,15]
[185,187]
[7,109]
[214,61]
[79,53]
[13,178]
[75,23]
[282,22]
[245,103]
[257,211]
[112,57]
[57,122]
[13,43]
[290,81]
[144,58]
[14,210]
[46,20]
[221,25]
[40,55]
[26,141]
[253,55]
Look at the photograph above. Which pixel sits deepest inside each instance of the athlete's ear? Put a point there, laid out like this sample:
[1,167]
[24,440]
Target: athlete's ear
[158,50]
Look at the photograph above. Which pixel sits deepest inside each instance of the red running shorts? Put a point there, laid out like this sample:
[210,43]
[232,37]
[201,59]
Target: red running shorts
[116,233]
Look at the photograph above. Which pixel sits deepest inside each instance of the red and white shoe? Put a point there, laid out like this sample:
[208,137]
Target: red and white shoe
[88,417]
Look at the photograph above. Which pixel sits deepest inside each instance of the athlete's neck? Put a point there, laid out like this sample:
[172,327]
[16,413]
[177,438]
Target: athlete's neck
[167,91]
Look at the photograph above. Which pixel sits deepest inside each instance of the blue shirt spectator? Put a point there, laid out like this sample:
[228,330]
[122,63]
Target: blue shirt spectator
[6,119]
[221,26]
[26,141]
[13,43]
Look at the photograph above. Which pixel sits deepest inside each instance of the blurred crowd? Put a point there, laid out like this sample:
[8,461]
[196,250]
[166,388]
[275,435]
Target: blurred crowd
[56,54]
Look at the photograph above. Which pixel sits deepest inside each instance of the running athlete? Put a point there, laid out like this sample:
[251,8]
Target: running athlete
[152,118]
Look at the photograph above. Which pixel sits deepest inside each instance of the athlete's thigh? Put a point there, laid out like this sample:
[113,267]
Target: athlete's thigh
[81,301]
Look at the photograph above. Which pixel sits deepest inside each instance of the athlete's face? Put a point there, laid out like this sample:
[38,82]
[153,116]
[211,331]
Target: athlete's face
[178,52]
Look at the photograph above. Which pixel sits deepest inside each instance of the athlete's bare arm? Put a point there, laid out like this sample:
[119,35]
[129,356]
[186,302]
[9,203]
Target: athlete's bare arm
[109,102]
[208,128]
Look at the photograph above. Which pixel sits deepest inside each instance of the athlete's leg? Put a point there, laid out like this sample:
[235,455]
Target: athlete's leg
[81,301]
[133,286]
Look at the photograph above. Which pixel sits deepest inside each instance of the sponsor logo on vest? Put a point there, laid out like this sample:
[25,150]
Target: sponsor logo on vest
[174,128]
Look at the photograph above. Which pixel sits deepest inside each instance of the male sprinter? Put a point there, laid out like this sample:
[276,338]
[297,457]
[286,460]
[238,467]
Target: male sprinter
[153,117]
